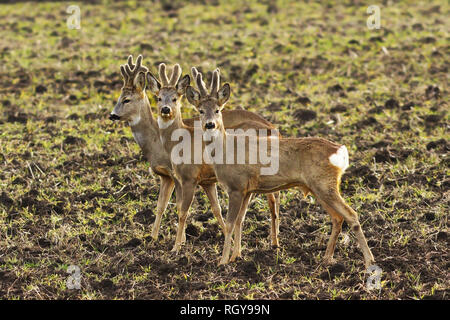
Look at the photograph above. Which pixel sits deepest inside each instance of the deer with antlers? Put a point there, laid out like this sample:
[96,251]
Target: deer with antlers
[314,165]
[133,107]
[193,173]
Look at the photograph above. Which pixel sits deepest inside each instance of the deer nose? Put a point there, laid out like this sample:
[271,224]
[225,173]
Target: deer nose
[113,117]
[165,110]
[210,125]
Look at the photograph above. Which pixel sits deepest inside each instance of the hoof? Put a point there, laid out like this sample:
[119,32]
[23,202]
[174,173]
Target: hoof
[367,264]
[222,262]
[234,258]
[328,261]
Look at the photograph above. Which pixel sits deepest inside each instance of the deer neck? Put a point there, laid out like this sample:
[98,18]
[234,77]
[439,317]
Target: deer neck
[145,130]
[223,133]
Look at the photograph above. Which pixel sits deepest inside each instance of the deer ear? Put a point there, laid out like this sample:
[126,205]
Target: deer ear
[153,83]
[224,94]
[139,81]
[193,96]
[182,84]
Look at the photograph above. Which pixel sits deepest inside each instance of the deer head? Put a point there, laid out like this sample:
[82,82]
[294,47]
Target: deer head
[209,105]
[168,92]
[132,97]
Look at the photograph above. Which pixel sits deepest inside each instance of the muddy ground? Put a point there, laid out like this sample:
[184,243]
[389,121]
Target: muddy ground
[76,191]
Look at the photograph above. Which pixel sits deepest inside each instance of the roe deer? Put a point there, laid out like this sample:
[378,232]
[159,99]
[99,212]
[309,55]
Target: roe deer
[191,174]
[314,165]
[133,107]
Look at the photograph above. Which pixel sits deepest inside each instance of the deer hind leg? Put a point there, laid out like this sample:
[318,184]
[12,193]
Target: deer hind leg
[211,193]
[165,191]
[238,228]
[335,201]
[274,205]
[336,220]
[183,204]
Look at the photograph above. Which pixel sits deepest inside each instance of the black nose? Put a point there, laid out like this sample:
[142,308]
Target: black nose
[165,110]
[210,125]
[114,117]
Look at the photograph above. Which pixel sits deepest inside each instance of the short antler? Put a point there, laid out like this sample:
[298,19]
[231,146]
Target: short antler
[130,70]
[163,75]
[201,85]
[175,76]
[215,82]
[194,72]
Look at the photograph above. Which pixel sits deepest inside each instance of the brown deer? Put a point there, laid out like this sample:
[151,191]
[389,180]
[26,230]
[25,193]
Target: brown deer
[133,107]
[191,173]
[314,165]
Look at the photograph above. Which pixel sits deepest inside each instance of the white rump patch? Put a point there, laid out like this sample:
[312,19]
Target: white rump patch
[340,158]
[164,124]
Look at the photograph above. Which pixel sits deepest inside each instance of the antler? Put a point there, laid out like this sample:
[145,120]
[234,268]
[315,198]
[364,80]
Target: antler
[215,82]
[130,70]
[174,77]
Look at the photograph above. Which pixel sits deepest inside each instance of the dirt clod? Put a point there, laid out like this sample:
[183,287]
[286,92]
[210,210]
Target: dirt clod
[41,88]
[145,216]
[71,140]
[391,104]
[304,115]
[133,243]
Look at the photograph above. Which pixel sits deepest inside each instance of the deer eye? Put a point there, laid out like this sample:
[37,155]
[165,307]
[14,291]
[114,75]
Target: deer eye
[174,100]
[202,112]
[217,111]
[159,99]
[126,101]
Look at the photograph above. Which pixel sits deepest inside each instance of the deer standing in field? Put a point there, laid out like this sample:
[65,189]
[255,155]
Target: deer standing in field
[314,165]
[134,107]
[191,174]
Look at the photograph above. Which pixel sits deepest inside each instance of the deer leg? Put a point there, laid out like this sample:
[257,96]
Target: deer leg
[179,198]
[335,201]
[211,192]
[274,205]
[188,190]
[235,201]
[165,191]
[238,228]
[336,220]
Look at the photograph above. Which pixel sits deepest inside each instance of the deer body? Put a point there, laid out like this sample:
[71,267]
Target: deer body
[297,158]
[315,165]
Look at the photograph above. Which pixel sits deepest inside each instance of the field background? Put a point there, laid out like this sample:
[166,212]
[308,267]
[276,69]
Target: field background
[76,191]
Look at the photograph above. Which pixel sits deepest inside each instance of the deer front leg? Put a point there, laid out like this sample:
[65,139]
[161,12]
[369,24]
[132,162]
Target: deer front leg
[211,193]
[165,191]
[238,228]
[179,198]
[187,190]
[235,201]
